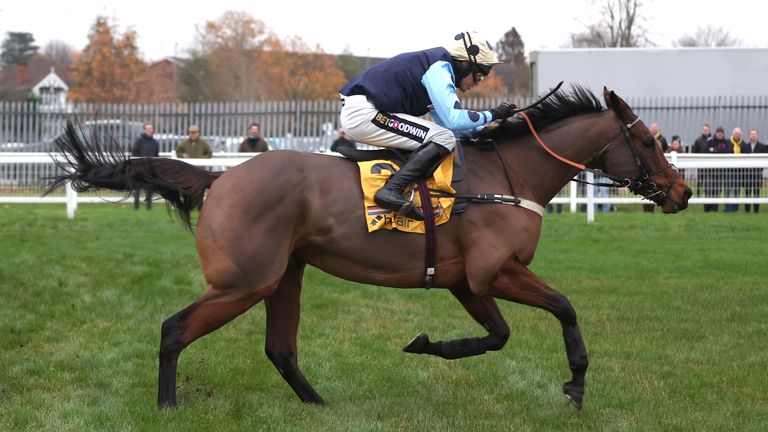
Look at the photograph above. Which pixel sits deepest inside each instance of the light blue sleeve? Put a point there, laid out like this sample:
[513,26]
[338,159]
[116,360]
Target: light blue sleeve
[447,110]
[458,132]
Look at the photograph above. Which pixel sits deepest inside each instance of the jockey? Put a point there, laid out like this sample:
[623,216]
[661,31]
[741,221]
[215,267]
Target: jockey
[383,107]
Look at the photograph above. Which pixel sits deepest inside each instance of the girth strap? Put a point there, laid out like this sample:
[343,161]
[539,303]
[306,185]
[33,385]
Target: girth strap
[502,199]
[429,228]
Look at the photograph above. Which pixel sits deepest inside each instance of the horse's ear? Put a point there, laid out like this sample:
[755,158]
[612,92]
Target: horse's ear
[607,96]
[617,105]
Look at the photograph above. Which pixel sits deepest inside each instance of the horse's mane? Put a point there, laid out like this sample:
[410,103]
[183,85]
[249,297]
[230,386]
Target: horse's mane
[562,104]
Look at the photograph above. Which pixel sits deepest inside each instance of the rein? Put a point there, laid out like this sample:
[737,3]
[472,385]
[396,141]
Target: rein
[618,182]
[641,185]
[513,199]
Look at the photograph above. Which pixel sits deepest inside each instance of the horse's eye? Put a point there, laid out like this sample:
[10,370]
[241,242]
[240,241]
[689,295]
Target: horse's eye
[650,142]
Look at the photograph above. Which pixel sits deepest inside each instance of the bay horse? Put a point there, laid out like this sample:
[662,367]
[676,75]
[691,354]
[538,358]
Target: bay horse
[264,220]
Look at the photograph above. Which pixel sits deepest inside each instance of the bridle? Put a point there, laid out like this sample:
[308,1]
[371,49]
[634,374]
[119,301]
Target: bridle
[640,185]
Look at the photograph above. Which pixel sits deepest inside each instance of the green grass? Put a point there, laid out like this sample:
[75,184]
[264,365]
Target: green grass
[674,311]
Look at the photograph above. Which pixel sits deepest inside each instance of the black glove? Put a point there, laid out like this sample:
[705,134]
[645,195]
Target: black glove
[503,111]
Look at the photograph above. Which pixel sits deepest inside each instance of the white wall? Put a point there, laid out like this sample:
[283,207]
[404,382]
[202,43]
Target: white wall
[644,72]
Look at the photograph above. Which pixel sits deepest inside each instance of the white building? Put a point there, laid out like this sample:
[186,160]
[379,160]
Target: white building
[52,91]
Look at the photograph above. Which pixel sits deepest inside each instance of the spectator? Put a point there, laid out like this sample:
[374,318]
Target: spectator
[342,140]
[656,132]
[732,181]
[676,145]
[254,143]
[194,146]
[705,175]
[753,177]
[145,146]
[717,144]
[700,145]
[661,141]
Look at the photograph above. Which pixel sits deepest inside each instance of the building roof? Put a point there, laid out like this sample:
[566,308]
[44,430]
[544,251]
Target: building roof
[52,80]
[29,75]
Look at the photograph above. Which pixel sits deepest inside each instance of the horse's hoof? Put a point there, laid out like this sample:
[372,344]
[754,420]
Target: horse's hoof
[417,345]
[574,393]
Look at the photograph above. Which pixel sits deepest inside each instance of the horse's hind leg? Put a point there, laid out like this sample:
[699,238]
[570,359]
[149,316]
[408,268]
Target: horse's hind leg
[485,311]
[517,283]
[282,327]
[211,311]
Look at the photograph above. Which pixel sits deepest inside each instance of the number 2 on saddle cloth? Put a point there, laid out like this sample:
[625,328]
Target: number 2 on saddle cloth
[373,175]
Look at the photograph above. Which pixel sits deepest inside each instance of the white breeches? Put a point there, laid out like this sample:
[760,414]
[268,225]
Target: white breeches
[362,121]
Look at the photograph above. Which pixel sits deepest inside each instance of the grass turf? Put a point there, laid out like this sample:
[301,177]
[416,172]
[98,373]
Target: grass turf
[673,310]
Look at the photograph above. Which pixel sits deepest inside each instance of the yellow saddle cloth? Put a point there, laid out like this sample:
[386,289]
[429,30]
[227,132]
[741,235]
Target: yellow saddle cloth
[373,175]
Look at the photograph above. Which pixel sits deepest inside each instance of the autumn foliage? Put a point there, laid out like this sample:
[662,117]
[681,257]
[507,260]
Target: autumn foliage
[239,59]
[109,69]
[236,58]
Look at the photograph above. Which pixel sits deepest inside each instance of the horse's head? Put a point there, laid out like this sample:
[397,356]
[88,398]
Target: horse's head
[636,156]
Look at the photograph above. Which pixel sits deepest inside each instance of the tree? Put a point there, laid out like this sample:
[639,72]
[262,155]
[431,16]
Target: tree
[293,70]
[619,26]
[60,52]
[510,48]
[348,64]
[492,86]
[594,36]
[232,30]
[194,78]
[515,73]
[709,36]
[229,46]
[15,94]
[238,58]
[109,69]
[17,48]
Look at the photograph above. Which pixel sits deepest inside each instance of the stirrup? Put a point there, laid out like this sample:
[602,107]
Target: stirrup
[412,211]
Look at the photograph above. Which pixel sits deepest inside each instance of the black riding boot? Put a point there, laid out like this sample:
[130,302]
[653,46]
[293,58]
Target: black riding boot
[421,163]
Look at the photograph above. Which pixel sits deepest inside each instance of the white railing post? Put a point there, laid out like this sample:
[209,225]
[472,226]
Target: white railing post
[34,166]
[71,200]
[573,196]
[590,197]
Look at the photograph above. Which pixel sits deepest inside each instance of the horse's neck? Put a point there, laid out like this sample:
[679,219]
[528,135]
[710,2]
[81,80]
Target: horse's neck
[577,139]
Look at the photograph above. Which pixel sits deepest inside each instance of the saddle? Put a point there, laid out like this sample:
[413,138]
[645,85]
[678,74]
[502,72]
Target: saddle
[400,156]
[459,183]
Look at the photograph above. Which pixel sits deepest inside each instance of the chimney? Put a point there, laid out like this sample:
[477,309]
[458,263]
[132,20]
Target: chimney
[21,75]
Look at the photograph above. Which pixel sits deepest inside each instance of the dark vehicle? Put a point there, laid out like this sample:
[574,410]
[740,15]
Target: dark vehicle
[122,132]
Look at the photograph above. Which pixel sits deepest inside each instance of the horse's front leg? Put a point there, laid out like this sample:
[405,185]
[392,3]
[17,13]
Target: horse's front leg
[485,311]
[515,282]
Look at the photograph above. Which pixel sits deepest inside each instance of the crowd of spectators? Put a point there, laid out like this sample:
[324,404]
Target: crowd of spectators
[729,182]
[711,182]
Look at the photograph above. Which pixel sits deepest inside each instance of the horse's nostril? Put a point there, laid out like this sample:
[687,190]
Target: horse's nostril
[687,194]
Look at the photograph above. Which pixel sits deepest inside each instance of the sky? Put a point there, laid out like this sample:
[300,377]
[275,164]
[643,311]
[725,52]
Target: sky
[376,29]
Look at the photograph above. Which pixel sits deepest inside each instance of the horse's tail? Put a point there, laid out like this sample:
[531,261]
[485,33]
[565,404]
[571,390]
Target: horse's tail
[91,165]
